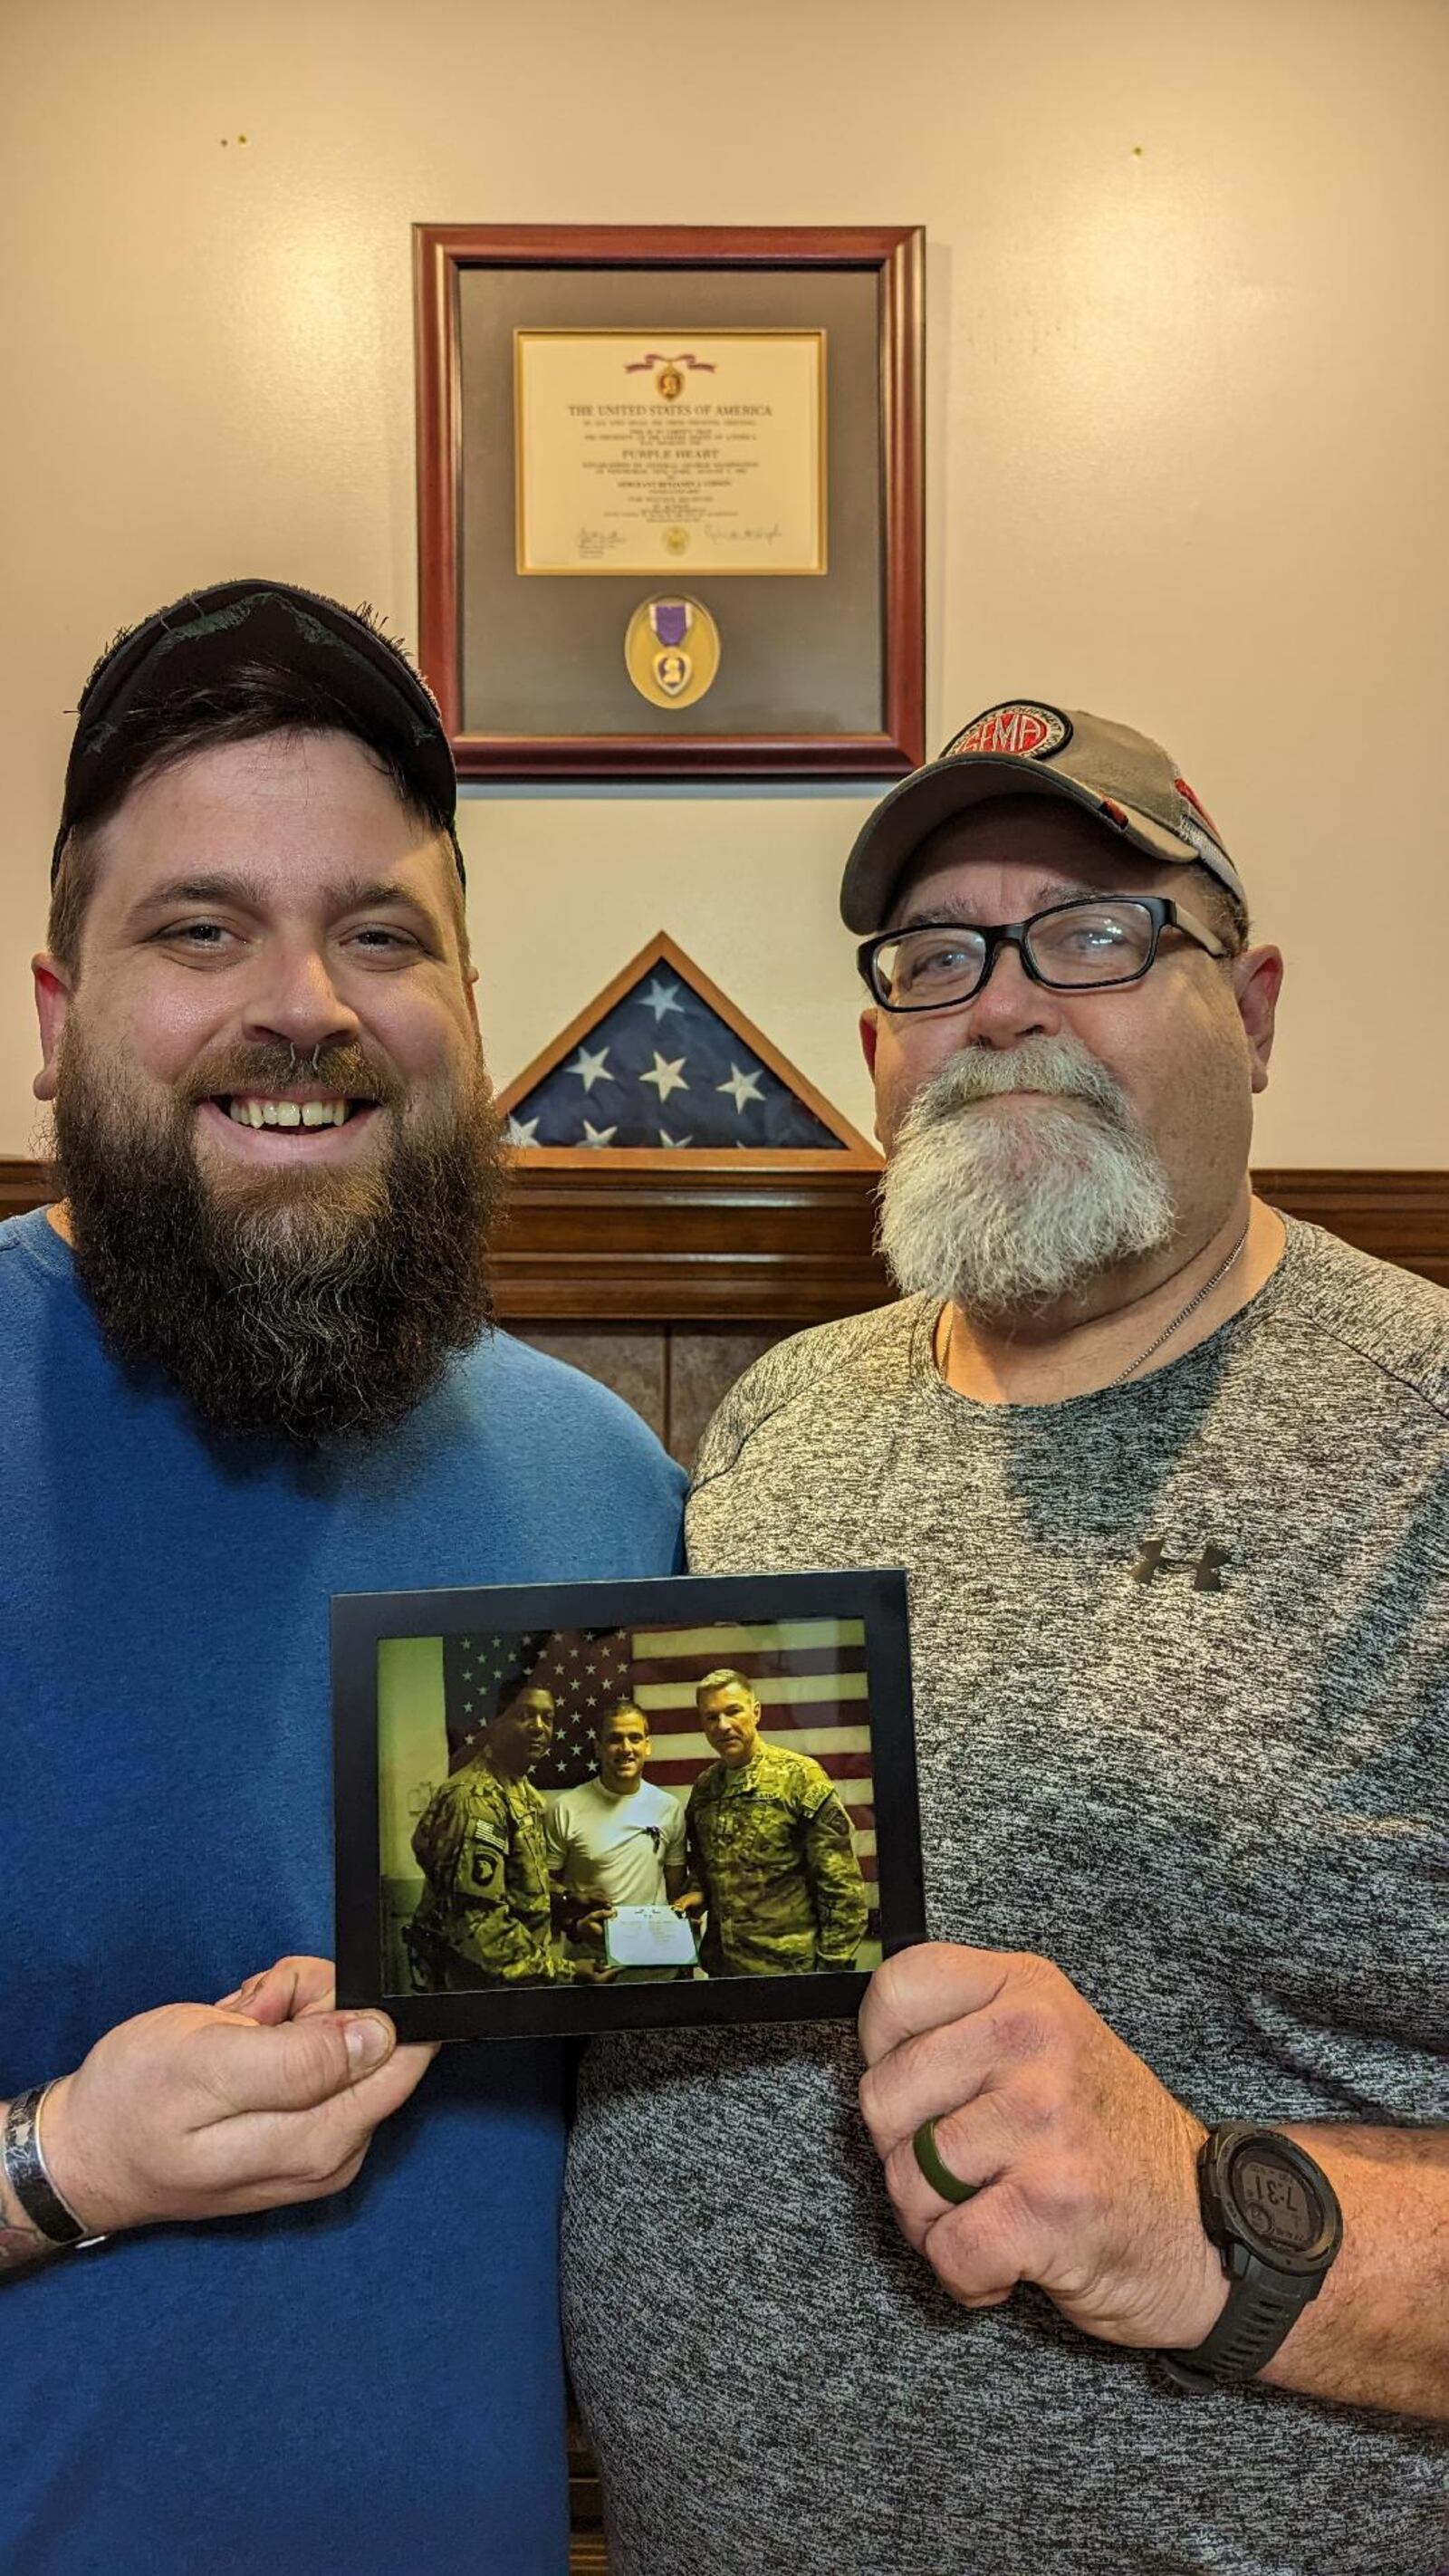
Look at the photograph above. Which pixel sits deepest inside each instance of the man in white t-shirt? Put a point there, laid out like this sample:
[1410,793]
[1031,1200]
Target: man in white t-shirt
[617,1837]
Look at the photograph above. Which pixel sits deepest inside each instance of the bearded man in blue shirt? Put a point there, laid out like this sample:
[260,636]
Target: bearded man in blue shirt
[248,1363]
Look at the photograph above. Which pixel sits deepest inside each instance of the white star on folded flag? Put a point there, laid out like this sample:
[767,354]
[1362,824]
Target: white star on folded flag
[659,997]
[666,1077]
[741,1086]
[666,1139]
[599,1135]
[590,1068]
[522,1131]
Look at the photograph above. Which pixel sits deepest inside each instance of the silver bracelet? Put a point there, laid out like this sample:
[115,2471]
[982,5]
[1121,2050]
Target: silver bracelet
[22,2161]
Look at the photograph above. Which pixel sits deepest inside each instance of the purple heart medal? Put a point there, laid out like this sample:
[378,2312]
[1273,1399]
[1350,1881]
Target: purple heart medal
[671,651]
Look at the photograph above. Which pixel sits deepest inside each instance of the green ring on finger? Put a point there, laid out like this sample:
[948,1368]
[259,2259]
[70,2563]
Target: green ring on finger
[937,2172]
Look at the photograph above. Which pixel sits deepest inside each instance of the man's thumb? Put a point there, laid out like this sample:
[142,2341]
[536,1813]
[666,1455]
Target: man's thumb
[367,2040]
[298,2064]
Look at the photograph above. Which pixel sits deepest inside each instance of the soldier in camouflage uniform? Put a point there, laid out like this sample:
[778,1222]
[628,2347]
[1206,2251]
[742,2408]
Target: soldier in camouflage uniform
[484,1918]
[770,1844]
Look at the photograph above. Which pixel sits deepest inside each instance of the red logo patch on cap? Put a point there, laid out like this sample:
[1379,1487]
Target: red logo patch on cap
[1017,730]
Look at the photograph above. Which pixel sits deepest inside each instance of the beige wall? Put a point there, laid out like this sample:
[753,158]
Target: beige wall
[1188,298]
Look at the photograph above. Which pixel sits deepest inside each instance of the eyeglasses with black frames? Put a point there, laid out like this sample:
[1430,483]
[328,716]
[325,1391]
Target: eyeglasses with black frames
[1075,947]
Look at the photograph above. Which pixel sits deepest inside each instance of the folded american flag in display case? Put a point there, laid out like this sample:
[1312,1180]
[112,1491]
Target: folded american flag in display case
[663,1062]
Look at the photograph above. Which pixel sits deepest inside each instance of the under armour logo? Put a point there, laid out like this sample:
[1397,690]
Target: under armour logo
[1206,1570]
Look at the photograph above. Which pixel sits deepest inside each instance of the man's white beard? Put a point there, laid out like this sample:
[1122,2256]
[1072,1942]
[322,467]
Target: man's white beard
[1012,1209]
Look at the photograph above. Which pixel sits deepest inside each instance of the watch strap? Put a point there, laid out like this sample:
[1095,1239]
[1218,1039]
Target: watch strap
[28,2175]
[1263,2306]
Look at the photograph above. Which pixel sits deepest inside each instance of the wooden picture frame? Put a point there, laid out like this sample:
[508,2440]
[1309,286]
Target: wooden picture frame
[853,1153]
[821,674]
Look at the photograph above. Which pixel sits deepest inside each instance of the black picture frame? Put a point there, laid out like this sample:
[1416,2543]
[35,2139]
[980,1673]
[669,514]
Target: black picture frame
[363,1622]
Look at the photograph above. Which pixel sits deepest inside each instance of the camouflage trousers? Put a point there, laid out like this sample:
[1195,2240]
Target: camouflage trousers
[437,1968]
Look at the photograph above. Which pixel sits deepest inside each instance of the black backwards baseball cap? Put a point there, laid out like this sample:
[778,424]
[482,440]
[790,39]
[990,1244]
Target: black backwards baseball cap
[204,640]
[1022,748]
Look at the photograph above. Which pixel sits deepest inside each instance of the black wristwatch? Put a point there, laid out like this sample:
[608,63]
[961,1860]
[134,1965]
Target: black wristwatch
[1274,2217]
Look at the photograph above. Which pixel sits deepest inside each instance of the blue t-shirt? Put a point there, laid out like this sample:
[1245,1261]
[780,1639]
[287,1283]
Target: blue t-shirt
[370,2382]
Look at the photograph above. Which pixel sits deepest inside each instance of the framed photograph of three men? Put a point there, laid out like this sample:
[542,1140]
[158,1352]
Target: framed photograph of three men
[670,499]
[572,1807]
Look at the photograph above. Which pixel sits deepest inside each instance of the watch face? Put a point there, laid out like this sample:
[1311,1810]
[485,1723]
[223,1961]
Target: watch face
[1277,2204]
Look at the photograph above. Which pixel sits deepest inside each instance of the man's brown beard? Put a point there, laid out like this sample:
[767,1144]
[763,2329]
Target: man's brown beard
[309,1305]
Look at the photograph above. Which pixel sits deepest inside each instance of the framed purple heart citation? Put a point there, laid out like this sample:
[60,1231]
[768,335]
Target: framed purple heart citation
[669,490]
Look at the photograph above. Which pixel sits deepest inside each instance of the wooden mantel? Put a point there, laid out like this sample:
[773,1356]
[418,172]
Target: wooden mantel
[682,1246]
[701,1241]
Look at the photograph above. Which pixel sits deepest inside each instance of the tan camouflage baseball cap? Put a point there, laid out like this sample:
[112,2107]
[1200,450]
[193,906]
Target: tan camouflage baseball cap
[1023,748]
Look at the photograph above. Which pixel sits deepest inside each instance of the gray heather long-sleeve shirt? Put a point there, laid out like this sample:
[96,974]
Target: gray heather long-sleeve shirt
[1181,1664]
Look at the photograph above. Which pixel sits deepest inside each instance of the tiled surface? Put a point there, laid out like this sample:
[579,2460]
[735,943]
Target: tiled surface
[674,1379]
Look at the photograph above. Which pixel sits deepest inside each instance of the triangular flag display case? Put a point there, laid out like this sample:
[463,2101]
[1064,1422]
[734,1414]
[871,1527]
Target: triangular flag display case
[663,1069]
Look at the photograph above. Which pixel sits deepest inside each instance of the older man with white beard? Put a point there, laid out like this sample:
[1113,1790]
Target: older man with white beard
[1156,2107]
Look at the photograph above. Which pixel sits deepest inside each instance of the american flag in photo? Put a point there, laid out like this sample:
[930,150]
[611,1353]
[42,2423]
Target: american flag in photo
[809,1675]
[585,1669]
